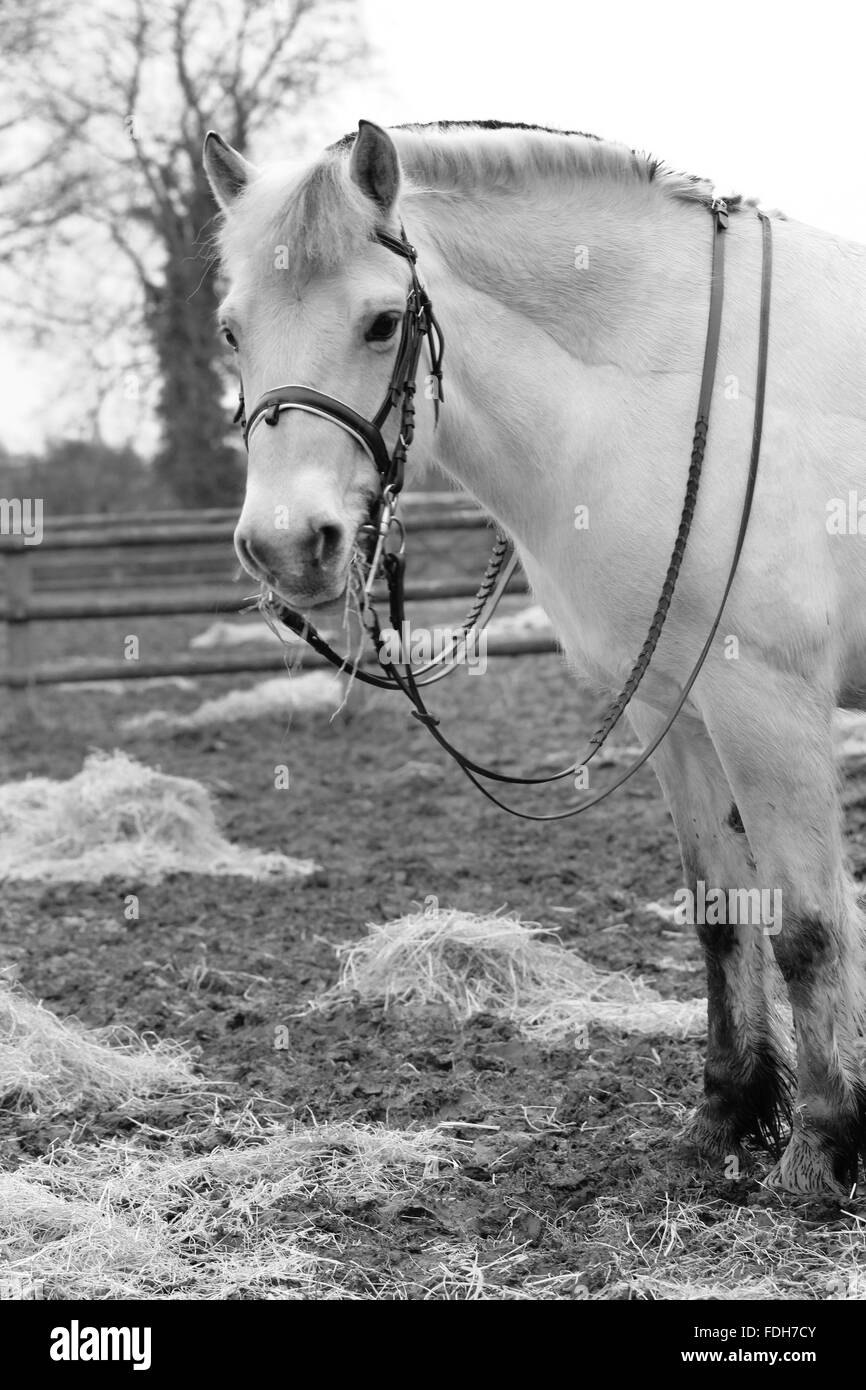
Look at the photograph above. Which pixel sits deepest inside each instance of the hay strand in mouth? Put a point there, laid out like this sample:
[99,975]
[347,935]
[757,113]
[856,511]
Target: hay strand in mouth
[355,620]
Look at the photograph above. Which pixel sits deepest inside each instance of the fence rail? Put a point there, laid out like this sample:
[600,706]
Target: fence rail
[229,663]
[103,538]
[24,603]
[81,521]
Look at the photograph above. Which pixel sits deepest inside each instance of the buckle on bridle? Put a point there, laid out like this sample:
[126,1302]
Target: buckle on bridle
[401,548]
[382,531]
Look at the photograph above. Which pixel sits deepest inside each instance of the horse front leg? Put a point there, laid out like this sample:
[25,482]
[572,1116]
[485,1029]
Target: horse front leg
[748,1076]
[772,732]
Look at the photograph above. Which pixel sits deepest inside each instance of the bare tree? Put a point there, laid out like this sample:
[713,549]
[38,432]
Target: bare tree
[28,28]
[110,109]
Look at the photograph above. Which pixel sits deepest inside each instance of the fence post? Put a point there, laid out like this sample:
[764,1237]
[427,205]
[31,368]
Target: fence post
[18,586]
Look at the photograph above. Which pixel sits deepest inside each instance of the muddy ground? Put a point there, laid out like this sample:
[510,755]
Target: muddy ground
[222,963]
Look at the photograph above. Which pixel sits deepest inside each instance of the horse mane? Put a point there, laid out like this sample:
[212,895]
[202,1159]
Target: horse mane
[462,154]
[323,217]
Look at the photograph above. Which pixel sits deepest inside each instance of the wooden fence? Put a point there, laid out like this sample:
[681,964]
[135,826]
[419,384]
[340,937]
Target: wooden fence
[90,567]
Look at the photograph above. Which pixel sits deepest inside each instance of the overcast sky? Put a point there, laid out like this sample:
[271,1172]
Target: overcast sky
[764,98]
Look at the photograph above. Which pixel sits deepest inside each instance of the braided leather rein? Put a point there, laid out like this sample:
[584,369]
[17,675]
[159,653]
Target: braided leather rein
[419,322]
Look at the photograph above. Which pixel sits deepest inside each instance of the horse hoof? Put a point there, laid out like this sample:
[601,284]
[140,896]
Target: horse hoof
[806,1169]
[713,1140]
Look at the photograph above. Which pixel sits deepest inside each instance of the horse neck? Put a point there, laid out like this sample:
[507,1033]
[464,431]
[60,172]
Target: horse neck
[559,310]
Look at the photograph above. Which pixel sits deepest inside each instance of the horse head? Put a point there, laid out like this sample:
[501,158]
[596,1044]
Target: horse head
[315,302]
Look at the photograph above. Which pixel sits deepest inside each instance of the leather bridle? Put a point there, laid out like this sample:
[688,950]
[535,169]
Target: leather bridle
[419,322]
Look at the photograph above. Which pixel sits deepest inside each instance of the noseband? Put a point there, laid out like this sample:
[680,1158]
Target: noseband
[419,322]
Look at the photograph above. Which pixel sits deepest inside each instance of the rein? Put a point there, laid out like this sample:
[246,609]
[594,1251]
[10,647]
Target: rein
[419,322]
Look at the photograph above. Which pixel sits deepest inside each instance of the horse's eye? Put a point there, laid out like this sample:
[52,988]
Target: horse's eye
[383,327]
[230,338]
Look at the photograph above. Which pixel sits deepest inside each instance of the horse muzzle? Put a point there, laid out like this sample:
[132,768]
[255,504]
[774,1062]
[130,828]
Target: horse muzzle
[306,567]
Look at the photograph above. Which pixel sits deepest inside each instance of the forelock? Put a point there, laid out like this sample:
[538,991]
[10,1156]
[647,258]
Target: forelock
[318,219]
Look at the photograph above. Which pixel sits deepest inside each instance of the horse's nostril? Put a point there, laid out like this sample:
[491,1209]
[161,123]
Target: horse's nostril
[327,539]
[244,552]
[308,556]
[254,562]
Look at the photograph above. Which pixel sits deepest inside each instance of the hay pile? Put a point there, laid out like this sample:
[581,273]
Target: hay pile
[527,620]
[247,631]
[496,964]
[314,692]
[131,687]
[49,1064]
[720,1250]
[274,1214]
[118,817]
[118,1220]
[223,633]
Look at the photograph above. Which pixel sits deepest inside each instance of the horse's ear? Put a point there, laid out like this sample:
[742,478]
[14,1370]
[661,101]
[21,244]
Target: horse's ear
[227,171]
[374,165]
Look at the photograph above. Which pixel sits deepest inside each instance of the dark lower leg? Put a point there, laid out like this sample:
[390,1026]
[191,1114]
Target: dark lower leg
[747,1077]
[820,970]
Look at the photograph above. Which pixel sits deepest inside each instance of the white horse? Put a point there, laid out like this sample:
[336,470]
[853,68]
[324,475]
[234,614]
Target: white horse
[571,278]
